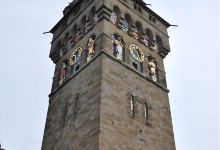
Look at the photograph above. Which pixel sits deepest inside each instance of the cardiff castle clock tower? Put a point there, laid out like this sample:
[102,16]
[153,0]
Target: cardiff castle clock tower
[109,88]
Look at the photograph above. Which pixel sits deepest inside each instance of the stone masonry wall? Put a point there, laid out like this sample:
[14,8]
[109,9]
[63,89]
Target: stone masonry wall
[79,130]
[121,131]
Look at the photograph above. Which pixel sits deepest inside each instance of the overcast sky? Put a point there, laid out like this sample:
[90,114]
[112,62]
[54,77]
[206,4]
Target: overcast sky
[192,69]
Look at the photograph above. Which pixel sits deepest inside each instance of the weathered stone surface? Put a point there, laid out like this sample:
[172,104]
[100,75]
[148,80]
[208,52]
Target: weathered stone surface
[91,110]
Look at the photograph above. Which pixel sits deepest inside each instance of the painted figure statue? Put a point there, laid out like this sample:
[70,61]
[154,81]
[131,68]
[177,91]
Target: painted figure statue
[125,26]
[118,48]
[146,41]
[63,73]
[91,47]
[69,44]
[87,26]
[152,67]
[95,19]
[155,48]
[135,34]
[113,18]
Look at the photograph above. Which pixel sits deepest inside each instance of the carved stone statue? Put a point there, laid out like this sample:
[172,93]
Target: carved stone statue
[118,48]
[91,47]
[152,68]
[135,34]
[63,73]
[113,18]
[95,19]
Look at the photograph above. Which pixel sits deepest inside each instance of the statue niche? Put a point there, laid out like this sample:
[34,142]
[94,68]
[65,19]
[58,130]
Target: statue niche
[118,47]
[63,72]
[91,47]
[152,68]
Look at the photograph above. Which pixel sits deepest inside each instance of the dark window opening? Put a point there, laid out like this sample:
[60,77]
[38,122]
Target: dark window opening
[146,115]
[135,6]
[139,9]
[132,106]
[135,65]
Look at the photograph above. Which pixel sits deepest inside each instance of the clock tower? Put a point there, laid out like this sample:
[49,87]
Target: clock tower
[109,88]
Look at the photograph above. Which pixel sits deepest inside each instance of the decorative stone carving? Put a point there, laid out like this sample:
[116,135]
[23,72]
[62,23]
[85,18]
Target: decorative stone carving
[87,26]
[91,47]
[113,18]
[62,51]
[77,38]
[152,68]
[63,73]
[118,47]
[95,19]
[146,41]
[69,43]
[155,47]
[136,33]
[125,26]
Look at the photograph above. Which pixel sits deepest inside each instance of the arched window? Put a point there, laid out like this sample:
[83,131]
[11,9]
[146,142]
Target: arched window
[148,38]
[91,47]
[76,34]
[137,33]
[85,25]
[152,68]
[159,43]
[63,72]
[136,57]
[115,15]
[61,49]
[93,17]
[69,40]
[118,47]
[75,60]
[127,23]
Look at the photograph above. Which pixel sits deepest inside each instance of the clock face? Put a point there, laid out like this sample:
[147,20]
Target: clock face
[136,52]
[75,56]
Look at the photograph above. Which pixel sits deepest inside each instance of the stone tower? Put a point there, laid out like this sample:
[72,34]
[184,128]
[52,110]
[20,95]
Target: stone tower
[109,87]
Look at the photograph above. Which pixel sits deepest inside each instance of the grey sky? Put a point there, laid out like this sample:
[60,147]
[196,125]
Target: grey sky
[192,70]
